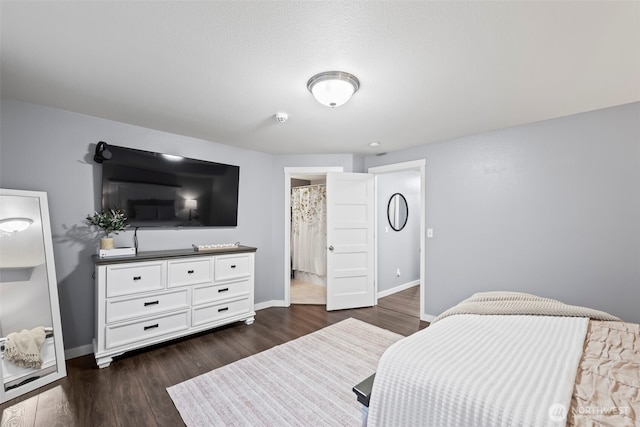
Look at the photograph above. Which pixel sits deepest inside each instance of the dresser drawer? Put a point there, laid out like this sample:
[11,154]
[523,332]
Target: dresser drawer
[211,313]
[231,267]
[205,294]
[133,278]
[190,272]
[131,308]
[119,335]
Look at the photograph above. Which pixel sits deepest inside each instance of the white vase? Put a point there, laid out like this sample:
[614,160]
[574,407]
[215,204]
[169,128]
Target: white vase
[106,243]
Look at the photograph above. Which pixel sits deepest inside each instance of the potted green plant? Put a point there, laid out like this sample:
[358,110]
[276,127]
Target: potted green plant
[109,221]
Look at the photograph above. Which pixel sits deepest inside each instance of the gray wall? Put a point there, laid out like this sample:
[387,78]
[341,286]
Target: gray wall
[48,149]
[51,150]
[398,249]
[550,208]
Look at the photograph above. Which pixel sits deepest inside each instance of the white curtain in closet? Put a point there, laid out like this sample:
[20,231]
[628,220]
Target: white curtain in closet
[309,229]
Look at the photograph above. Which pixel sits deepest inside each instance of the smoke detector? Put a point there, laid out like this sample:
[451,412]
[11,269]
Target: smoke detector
[282,117]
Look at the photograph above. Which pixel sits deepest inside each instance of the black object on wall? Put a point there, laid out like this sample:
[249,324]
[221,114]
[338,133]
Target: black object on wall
[102,152]
[160,190]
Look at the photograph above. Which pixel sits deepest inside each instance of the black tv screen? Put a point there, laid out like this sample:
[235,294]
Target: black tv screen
[159,190]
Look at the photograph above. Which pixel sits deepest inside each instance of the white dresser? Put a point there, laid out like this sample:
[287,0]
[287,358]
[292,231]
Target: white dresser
[158,296]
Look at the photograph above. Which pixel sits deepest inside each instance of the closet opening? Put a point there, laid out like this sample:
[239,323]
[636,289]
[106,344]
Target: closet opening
[305,235]
[308,237]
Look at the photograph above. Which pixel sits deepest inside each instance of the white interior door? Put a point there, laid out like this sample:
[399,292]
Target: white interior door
[350,240]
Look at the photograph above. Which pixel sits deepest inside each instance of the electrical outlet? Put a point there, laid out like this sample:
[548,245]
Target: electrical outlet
[398,272]
[429,233]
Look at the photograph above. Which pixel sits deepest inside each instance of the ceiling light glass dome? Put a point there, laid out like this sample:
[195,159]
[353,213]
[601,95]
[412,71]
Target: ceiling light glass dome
[333,88]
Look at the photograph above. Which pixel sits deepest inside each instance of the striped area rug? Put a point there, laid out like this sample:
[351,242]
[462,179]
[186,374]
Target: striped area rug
[304,382]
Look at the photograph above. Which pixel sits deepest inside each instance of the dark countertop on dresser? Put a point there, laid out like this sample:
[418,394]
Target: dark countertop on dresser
[174,253]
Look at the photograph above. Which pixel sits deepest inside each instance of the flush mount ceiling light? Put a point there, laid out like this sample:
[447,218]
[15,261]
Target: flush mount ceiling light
[15,225]
[333,88]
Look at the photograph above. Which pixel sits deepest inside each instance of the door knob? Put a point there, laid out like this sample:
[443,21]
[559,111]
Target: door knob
[331,248]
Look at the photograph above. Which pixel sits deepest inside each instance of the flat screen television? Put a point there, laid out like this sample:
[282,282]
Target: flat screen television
[159,190]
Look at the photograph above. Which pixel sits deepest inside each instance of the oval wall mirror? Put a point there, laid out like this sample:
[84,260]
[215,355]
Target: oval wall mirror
[397,211]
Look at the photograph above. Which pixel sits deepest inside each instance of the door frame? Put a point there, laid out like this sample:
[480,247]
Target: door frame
[290,172]
[400,167]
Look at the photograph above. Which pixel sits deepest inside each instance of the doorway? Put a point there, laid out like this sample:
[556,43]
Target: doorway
[308,289]
[417,167]
[308,239]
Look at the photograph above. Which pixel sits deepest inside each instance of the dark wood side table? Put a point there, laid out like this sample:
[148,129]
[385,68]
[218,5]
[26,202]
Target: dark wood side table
[363,394]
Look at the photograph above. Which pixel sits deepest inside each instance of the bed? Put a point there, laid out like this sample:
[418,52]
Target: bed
[505,359]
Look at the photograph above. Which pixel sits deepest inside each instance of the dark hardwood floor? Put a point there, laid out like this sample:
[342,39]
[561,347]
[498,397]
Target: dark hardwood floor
[132,391]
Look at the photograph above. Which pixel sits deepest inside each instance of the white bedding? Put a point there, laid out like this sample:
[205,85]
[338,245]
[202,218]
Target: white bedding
[480,370]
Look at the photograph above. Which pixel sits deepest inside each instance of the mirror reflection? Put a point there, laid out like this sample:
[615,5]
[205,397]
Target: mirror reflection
[27,344]
[397,211]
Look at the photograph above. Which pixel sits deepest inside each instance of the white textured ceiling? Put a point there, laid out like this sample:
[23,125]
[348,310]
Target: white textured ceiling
[429,71]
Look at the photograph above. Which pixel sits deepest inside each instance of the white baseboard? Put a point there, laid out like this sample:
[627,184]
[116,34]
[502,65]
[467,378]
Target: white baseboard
[268,304]
[83,350]
[427,317]
[402,287]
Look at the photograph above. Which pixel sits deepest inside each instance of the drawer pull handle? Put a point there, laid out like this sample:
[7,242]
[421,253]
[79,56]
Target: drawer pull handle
[146,328]
[190,272]
[223,290]
[137,277]
[151,303]
[233,266]
[223,309]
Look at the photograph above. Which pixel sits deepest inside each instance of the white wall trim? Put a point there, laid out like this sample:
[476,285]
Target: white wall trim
[397,167]
[427,317]
[269,304]
[83,350]
[399,288]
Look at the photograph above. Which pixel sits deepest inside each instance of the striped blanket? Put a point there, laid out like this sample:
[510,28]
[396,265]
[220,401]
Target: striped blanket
[496,359]
[510,303]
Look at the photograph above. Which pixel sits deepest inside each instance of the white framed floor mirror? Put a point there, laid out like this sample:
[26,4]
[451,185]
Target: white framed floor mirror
[31,346]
